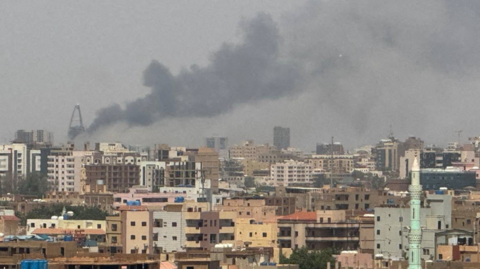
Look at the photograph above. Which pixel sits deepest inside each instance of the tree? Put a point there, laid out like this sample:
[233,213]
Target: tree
[79,212]
[309,259]
[34,184]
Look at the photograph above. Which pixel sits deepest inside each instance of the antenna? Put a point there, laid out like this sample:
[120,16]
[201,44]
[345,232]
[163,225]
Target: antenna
[459,134]
[76,124]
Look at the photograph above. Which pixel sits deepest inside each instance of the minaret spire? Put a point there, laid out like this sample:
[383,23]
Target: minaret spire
[415,236]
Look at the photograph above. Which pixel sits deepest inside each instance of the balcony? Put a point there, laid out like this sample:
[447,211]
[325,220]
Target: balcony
[192,244]
[192,230]
[332,238]
[227,230]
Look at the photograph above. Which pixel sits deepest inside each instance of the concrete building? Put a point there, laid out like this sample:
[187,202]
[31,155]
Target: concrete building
[210,163]
[152,175]
[290,172]
[249,208]
[131,231]
[255,233]
[406,162]
[329,149]
[65,170]
[388,153]
[13,161]
[321,229]
[392,226]
[219,144]
[248,150]
[451,178]
[281,137]
[35,138]
[335,164]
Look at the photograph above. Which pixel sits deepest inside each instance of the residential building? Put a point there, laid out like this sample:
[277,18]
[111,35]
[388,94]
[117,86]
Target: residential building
[35,138]
[248,150]
[219,144]
[210,163]
[281,137]
[65,170]
[13,161]
[330,149]
[392,226]
[251,208]
[451,178]
[255,233]
[291,172]
[336,164]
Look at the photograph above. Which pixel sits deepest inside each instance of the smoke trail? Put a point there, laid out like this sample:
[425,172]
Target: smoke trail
[248,72]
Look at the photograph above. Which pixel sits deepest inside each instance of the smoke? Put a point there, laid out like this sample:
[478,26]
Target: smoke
[347,68]
[237,74]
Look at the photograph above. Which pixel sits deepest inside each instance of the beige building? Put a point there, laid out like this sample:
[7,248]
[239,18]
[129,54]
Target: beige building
[209,159]
[248,150]
[248,208]
[335,164]
[255,234]
[131,231]
[290,172]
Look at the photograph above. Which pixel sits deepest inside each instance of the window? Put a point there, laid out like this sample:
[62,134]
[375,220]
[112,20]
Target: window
[32,225]
[144,237]
[132,223]
[440,256]
[144,223]
[114,227]
[378,218]
[114,239]
[174,238]
[99,226]
[132,237]
[399,246]
[264,234]
[248,213]
[378,232]
[251,234]
[174,224]
[378,246]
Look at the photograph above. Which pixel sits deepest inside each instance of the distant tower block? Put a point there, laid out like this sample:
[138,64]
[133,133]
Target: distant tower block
[76,123]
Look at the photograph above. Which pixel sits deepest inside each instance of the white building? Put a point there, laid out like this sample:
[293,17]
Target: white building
[168,230]
[13,161]
[152,174]
[288,172]
[65,171]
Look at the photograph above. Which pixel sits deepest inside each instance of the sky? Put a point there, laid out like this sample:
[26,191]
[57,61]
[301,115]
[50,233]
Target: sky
[149,72]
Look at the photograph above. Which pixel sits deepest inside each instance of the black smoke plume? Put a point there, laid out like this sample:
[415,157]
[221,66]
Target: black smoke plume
[237,74]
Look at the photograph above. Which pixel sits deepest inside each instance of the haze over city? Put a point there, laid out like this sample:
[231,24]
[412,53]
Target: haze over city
[146,72]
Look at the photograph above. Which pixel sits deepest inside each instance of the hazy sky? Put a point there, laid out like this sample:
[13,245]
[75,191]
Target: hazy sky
[356,68]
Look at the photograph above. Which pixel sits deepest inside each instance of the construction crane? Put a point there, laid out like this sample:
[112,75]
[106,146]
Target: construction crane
[76,123]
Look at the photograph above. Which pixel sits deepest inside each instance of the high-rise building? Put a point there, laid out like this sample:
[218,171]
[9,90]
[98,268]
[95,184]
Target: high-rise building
[220,144]
[35,137]
[281,137]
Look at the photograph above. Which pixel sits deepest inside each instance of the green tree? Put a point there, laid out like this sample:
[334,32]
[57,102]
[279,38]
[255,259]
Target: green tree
[34,184]
[79,212]
[309,259]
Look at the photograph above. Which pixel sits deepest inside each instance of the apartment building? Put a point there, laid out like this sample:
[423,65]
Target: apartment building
[169,228]
[334,163]
[255,233]
[13,161]
[248,150]
[392,226]
[250,208]
[290,172]
[65,170]
[131,231]
[210,163]
[117,171]
[318,230]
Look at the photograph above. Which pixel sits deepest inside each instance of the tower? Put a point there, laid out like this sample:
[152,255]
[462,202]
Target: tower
[281,137]
[76,124]
[415,236]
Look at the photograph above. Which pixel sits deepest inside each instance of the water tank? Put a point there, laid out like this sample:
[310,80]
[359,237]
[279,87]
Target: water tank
[43,264]
[138,202]
[70,213]
[54,217]
[130,203]
[440,192]
[68,238]
[100,182]
[180,199]
[60,218]
[26,264]
[35,264]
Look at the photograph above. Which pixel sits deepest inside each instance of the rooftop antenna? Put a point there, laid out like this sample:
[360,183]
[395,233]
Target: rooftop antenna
[331,164]
[459,134]
[390,135]
[76,123]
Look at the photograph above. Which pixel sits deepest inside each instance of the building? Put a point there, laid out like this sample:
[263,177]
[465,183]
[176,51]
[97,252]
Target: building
[290,172]
[117,171]
[281,137]
[65,169]
[451,178]
[251,208]
[219,144]
[337,164]
[210,163]
[13,161]
[319,230]
[392,226]
[330,149]
[131,231]
[415,231]
[388,153]
[152,175]
[248,150]
[35,138]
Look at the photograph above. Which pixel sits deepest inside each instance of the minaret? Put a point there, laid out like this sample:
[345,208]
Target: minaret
[415,236]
